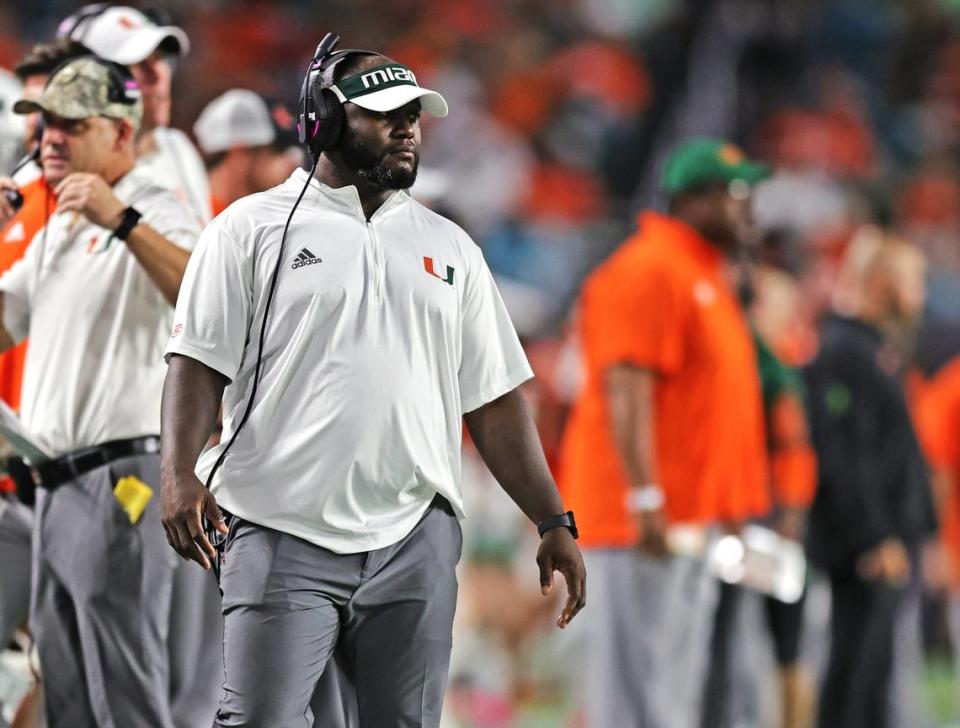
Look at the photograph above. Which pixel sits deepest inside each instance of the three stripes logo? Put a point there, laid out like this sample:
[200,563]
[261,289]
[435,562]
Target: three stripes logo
[305,257]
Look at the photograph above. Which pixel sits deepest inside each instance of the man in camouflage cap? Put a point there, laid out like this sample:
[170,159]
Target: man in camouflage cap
[93,293]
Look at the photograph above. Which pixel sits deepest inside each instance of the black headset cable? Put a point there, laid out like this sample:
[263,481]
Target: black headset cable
[217,538]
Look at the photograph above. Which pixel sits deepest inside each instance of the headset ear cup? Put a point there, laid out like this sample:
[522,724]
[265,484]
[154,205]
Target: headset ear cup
[333,120]
[325,131]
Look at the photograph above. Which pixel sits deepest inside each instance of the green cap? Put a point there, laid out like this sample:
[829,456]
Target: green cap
[702,161]
[85,88]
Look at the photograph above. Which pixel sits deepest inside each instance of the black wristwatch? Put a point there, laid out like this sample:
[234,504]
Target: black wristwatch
[131,217]
[564,520]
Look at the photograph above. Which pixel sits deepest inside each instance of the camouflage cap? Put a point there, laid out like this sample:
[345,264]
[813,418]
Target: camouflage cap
[84,88]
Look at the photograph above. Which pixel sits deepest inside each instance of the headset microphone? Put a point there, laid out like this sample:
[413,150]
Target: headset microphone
[326,46]
[13,196]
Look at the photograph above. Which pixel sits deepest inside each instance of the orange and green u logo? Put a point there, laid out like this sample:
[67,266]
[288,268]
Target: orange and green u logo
[428,267]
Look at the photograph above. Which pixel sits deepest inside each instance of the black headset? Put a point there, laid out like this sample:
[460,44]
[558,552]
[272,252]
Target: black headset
[122,88]
[71,24]
[320,115]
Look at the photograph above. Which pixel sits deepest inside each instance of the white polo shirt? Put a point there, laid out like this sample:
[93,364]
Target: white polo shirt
[97,324]
[381,335]
[176,165]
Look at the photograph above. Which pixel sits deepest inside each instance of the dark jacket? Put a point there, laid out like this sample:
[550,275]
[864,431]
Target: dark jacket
[872,479]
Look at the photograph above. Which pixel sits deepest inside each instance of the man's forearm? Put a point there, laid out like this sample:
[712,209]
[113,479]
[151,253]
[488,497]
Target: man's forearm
[191,400]
[163,261]
[629,393]
[507,440]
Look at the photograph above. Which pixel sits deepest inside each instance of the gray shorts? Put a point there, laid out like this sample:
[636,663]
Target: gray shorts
[287,604]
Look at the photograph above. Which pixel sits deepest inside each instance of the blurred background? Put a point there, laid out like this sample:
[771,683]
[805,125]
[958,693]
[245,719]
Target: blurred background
[562,114]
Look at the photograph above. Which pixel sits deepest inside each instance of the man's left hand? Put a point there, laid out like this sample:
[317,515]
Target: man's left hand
[559,552]
[91,196]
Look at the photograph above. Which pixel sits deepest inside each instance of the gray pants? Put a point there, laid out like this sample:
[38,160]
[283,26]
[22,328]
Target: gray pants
[647,640]
[15,526]
[288,603]
[101,599]
[196,646]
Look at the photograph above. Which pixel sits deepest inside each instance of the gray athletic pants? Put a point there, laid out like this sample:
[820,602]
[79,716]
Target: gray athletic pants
[195,646]
[288,603]
[647,639]
[15,527]
[100,603]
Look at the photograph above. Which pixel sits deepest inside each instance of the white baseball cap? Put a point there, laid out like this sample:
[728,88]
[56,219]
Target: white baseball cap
[242,118]
[123,35]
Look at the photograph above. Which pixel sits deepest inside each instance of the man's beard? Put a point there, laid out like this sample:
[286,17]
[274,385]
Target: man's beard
[374,170]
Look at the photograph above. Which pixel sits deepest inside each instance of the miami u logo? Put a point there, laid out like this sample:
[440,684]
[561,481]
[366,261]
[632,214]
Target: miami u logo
[428,267]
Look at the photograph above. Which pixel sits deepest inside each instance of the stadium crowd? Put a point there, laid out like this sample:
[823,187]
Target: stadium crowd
[772,343]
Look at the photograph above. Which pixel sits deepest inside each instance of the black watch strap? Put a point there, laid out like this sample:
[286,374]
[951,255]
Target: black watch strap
[564,520]
[131,217]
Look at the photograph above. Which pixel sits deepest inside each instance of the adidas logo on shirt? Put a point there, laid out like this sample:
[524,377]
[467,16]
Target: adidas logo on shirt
[305,257]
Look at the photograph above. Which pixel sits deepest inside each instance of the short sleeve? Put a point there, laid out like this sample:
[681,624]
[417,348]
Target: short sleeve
[169,217]
[492,361]
[634,313]
[212,317]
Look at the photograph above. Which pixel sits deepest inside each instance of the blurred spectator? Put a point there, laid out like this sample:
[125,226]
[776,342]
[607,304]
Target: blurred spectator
[939,425]
[668,430]
[126,36]
[249,144]
[873,504]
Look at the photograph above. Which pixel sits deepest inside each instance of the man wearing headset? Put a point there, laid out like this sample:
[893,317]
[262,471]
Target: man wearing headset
[150,45]
[94,293]
[150,49]
[385,329]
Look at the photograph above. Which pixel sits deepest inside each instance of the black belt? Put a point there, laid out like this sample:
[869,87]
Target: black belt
[51,474]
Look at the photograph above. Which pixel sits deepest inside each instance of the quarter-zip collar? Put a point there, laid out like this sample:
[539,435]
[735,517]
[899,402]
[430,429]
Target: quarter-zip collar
[346,198]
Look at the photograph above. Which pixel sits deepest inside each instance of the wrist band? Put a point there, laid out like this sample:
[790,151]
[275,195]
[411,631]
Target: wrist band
[645,499]
[130,220]
[564,520]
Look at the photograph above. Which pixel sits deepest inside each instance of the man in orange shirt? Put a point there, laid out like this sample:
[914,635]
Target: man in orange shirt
[939,430]
[668,431]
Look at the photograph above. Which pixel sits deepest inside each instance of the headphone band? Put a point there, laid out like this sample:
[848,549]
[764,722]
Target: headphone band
[71,24]
[120,76]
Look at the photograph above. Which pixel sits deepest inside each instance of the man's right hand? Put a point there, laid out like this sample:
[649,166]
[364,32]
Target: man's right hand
[887,562]
[652,526]
[6,209]
[184,503]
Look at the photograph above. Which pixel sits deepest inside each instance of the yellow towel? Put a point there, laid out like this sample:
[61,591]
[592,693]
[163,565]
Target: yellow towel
[133,495]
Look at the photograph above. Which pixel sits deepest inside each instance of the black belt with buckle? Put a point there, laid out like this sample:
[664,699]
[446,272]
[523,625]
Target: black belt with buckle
[53,473]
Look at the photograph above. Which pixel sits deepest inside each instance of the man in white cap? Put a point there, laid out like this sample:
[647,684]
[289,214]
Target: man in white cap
[126,36]
[387,333]
[249,145]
